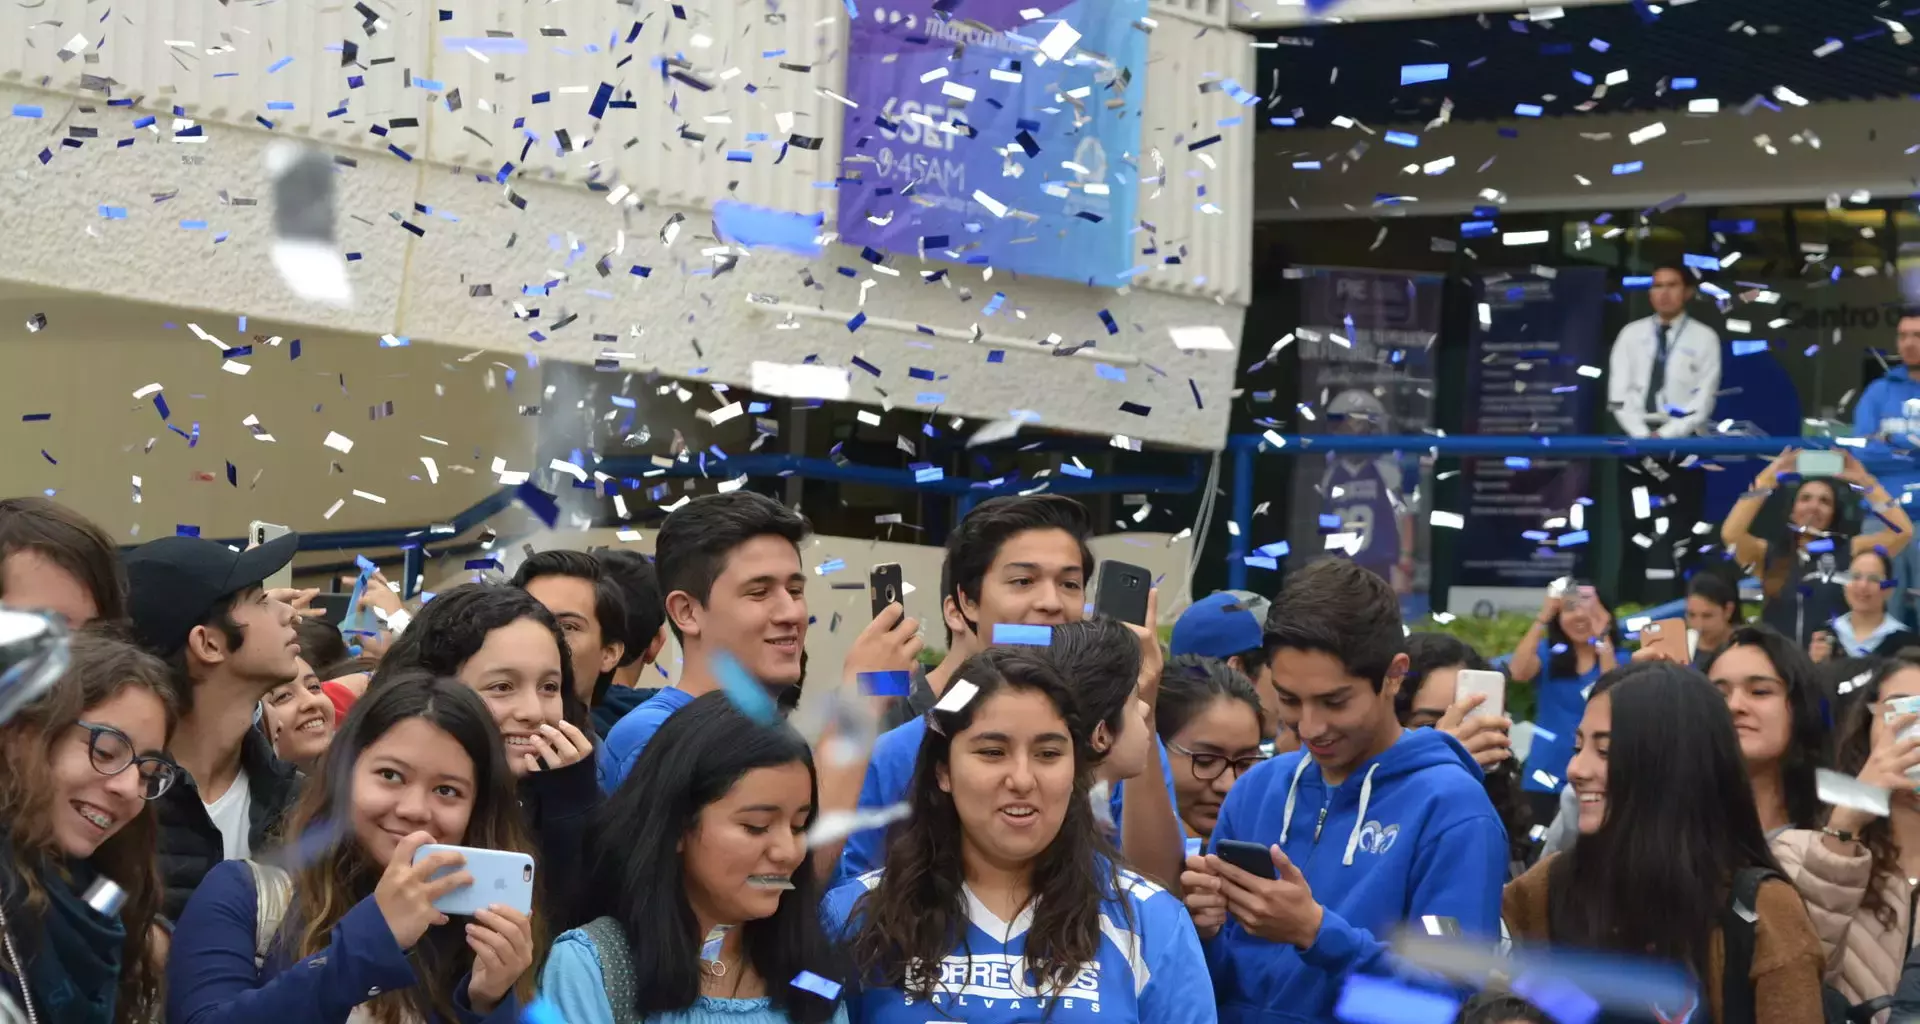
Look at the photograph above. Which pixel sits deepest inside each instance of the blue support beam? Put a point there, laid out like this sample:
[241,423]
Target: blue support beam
[1537,446]
[1242,518]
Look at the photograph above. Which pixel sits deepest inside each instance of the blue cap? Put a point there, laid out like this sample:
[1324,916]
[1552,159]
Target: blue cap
[1218,626]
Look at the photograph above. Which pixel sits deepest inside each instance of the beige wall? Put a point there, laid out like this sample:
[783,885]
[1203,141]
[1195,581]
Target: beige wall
[827,642]
[84,366]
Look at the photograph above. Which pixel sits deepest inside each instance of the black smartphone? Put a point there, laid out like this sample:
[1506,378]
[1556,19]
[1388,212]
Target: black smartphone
[333,607]
[885,585]
[1123,592]
[1252,858]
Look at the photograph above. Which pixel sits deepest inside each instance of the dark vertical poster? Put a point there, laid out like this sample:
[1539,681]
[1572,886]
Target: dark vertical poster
[1532,335]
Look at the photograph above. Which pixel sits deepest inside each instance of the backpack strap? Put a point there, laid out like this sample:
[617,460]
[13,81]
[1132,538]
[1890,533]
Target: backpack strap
[272,893]
[1738,925]
[616,967]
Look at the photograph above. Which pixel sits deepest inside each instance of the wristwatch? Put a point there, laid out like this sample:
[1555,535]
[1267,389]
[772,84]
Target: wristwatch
[1841,834]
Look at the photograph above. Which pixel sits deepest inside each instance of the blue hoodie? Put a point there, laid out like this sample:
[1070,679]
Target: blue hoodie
[1883,415]
[1409,833]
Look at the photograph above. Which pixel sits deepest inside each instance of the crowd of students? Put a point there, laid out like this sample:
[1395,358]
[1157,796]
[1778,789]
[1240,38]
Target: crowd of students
[1083,825]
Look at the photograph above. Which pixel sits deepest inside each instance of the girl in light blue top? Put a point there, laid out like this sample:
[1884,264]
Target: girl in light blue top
[707,834]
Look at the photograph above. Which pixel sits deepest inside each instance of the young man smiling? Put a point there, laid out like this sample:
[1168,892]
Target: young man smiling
[1375,825]
[200,606]
[592,611]
[730,567]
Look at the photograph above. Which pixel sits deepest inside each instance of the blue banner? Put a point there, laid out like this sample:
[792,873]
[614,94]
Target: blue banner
[999,140]
[1532,335]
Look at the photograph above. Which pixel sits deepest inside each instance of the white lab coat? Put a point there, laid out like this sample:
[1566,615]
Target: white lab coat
[1692,382]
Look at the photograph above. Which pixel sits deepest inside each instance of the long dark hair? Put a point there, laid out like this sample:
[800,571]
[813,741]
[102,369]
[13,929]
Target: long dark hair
[331,883]
[636,860]
[453,627]
[1680,822]
[100,668]
[1856,745]
[917,912]
[1807,735]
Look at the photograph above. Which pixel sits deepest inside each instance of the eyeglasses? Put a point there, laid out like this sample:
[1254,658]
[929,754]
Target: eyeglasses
[112,753]
[1208,767]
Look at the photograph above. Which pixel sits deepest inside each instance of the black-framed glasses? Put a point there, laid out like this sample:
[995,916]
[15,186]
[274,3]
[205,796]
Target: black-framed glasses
[112,753]
[1208,767]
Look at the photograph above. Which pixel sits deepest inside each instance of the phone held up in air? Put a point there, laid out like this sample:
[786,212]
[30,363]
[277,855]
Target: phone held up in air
[1123,592]
[887,586]
[499,876]
[1249,857]
[1819,463]
[258,534]
[1668,636]
[1479,680]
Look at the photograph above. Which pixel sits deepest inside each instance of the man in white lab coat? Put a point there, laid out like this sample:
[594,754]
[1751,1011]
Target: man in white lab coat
[1663,377]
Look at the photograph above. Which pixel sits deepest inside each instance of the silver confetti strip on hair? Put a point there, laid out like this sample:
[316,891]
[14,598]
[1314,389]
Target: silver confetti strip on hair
[106,897]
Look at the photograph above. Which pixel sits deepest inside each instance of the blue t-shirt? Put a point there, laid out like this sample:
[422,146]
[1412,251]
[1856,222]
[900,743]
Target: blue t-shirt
[1117,799]
[889,774]
[1561,703]
[632,733]
[1149,968]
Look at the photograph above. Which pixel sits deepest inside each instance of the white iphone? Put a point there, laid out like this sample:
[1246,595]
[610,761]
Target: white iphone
[1493,684]
[258,534]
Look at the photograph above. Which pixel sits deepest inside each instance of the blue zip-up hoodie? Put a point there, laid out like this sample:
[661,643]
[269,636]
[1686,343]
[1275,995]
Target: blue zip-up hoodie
[1884,415]
[1409,833]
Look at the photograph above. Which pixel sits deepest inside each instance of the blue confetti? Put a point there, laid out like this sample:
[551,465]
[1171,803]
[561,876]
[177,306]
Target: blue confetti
[1519,462]
[1023,636]
[807,981]
[1407,139]
[1366,999]
[539,502]
[1277,549]
[1685,84]
[743,690]
[884,684]
[278,64]
[114,212]
[1261,562]
[1572,538]
[1748,348]
[929,475]
[1331,521]
[1634,167]
[27,110]
[1110,372]
[1528,109]
[1414,74]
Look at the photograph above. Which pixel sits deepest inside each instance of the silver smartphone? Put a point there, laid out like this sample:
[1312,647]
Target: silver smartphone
[1493,684]
[258,534]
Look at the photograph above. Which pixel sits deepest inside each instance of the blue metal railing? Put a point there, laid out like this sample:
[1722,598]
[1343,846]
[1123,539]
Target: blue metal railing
[1246,446]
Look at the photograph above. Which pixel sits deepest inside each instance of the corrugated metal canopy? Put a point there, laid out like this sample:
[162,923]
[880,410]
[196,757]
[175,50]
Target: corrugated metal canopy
[1734,49]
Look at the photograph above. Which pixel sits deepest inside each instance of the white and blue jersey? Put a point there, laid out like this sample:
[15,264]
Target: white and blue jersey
[1149,969]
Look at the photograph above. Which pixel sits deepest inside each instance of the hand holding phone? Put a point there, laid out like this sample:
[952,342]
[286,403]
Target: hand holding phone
[493,876]
[886,586]
[1482,681]
[410,885]
[1814,463]
[1123,592]
[1667,638]
[1252,858]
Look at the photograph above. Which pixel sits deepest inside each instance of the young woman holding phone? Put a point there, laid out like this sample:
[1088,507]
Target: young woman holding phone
[1797,570]
[1571,642]
[357,937]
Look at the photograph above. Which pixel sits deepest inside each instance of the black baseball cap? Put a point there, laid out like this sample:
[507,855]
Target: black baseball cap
[174,582]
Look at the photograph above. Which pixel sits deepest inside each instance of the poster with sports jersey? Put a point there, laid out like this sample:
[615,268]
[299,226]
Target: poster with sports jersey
[1366,368]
